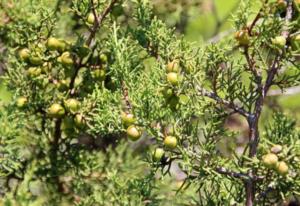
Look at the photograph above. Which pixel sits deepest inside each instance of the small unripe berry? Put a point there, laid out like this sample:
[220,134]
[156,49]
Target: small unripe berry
[170,142]
[276,149]
[99,74]
[24,54]
[157,154]
[279,41]
[133,133]
[127,118]
[282,168]
[35,60]
[56,111]
[270,160]
[72,105]
[173,66]
[281,5]
[34,71]
[242,37]
[172,78]
[21,102]
[66,59]
[91,18]
[79,120]
[55,44]
[167,92]
[103,58]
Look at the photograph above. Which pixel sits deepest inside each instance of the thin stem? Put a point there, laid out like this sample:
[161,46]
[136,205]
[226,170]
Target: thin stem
[226,103]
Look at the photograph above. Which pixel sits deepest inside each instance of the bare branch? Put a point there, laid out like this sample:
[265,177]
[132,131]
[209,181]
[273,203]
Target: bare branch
[99,20]
[228,104]
[226,172]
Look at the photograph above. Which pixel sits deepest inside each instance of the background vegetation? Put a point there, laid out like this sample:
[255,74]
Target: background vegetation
[109,171]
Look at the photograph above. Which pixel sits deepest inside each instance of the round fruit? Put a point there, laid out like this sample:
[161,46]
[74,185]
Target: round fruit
[79,120]
[103,58]
[127,118]
[56,111]
[276,149]
[170,142]
[55,44]
[35,60]
[242,37]
[279,41]
[66,59]
[133,133]
[21,102]
[281,5]
[72,105]
[172,78]
[24,54]
[167,92]
[158,153]
[282,168]
[173,66]
[91,18]
[34,71]
[270,160]
[99,74]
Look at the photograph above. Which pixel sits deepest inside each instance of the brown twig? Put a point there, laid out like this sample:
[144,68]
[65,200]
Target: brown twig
[226,103]
[253,119]
[99,20]
[97,24]
[126,97]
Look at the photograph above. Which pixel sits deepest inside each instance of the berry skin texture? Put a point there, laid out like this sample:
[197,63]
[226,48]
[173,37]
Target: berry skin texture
[170,142]
[270,160]
[127,118]
[279,41]
[99,74]
[103,58]
[133,133]
[167,92]
[276,149]
[72,105]
[24,54]
[281,4]
[66,59]
[79,120]
[55,44]
[21,102]
[172,78]
[91,18]
[35,60]
[242,37]
[173,66]
[56,111]
[34,71]
[157,154]
[282,168]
